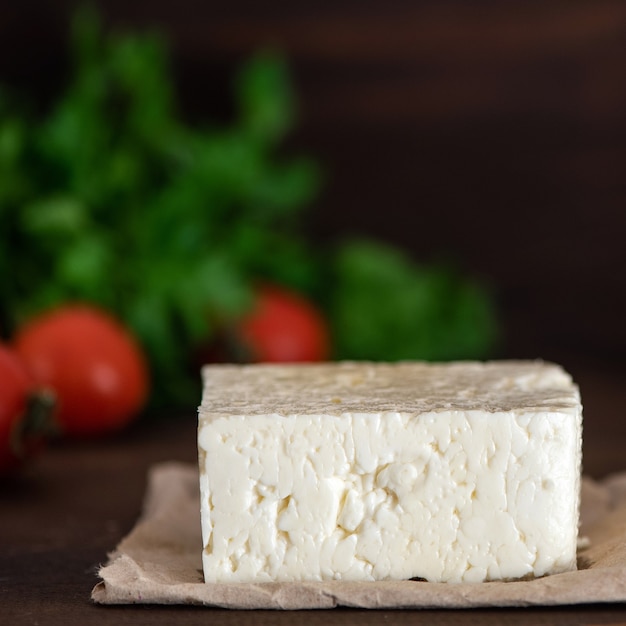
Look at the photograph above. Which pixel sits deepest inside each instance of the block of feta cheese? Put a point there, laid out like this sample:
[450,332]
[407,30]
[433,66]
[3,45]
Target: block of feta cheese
[458,472]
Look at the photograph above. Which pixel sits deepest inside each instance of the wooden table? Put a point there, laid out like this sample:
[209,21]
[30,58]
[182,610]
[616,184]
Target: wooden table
[61,516]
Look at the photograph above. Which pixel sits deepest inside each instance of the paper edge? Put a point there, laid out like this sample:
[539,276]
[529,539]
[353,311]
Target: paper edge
[365,595]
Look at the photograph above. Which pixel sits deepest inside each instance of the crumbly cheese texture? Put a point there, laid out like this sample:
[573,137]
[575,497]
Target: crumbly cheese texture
[459,472]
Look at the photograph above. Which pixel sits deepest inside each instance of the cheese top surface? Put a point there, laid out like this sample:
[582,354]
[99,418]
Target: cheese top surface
[364,387]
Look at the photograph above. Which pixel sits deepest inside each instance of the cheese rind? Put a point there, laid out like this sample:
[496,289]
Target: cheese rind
[371,471]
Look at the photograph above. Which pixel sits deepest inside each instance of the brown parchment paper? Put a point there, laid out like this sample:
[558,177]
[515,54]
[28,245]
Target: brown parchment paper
[159,562]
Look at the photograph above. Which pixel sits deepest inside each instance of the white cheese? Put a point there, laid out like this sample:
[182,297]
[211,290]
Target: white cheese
[461,472]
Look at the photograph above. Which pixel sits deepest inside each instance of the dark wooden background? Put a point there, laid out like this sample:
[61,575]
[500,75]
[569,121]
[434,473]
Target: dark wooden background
[493,133]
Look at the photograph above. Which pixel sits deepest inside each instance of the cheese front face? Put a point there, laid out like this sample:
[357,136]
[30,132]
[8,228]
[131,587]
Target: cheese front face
[461,472]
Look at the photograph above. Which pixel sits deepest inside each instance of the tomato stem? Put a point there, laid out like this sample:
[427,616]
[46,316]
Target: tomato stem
[37,423]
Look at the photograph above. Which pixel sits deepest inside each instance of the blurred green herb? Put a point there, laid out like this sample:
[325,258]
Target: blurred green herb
[114,199]
[384,306]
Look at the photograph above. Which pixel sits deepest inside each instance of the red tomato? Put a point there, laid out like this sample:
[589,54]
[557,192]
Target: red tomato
[283,327]
[16,387]
[92,362]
